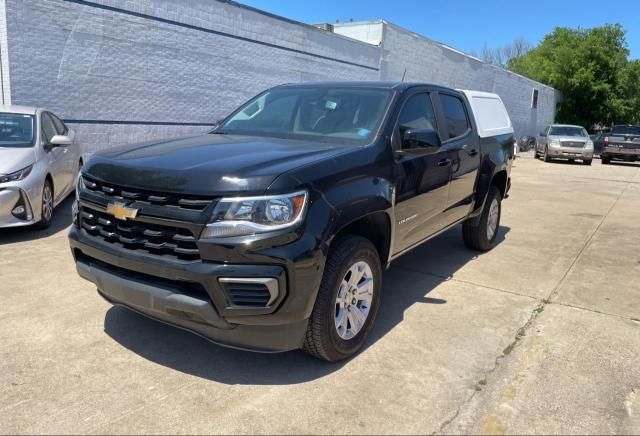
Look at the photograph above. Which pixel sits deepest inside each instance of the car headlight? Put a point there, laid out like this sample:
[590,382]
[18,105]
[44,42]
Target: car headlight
[589,144]
[18,175]
[555,143]
[79,185]
[240,216]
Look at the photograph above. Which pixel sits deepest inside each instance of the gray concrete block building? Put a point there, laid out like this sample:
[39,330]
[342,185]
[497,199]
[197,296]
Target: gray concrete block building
[122,71]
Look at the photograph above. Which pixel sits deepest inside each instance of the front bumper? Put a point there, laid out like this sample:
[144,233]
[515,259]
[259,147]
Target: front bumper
[10,198]
[571,153]
[190,295]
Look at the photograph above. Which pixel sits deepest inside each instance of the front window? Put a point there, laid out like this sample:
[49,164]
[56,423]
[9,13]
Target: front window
[312,113]
[626,130]
[16,130]
[568,131]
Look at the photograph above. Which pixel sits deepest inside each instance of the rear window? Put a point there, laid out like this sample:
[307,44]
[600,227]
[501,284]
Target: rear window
[626,130]
[456,116]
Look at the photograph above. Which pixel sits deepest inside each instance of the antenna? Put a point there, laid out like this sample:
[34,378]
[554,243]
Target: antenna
[403,74]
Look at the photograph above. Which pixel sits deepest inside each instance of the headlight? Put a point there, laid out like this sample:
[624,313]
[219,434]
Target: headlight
[241,216]
[79,185]
[18,175]
[589,144]
[555,143]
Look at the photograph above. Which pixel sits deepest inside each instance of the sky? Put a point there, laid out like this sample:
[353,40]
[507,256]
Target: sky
[468,25]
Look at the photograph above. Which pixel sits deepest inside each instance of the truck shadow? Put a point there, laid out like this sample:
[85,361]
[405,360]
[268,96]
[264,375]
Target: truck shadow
[185,352]
[61,221]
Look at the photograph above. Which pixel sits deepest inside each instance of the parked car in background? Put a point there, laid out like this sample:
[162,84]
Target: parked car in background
[526,143]
[271,232]
[563,141]
[598,142]
[39,163]
[622,143]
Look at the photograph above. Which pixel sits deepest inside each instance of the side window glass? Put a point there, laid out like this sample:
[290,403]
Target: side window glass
[48,128]
[417,113]
[61,128]
[456,116]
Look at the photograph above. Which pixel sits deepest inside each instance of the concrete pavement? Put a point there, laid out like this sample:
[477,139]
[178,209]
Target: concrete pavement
[540,335]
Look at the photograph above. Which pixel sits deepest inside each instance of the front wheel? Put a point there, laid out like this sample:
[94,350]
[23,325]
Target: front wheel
[587,162]
[546,156]
[483,235]
[46,215]
[347,301]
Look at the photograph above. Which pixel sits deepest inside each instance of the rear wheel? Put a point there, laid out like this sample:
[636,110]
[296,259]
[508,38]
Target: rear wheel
[605,160]
[47,206]
[483,235]
[347,302]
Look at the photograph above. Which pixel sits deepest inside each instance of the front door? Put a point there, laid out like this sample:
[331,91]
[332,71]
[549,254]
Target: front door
[55,156]
[423,174]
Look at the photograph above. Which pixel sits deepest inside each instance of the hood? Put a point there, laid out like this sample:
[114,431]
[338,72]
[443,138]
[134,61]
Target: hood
[13,159]
[211,164]
[568,138]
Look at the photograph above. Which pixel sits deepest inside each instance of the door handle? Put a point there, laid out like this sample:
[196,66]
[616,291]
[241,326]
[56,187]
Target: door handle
[444,162]
[473,152]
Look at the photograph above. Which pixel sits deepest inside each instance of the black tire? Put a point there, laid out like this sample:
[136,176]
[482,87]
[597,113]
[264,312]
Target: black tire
[475,236]
[605,160]
[322,339]
[587,162]
[546,156]
[45,221]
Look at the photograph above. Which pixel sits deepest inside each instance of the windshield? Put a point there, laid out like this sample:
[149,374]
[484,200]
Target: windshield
[626,130]
[16,130]
[315,113]
[568,131]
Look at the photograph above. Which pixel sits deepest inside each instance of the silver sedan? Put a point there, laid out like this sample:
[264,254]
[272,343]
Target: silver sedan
[565,142]
[39,164]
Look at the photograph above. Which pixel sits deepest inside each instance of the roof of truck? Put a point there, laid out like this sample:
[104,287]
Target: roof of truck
[365,84]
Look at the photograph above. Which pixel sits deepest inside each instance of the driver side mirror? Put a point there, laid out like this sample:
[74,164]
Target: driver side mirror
[421,138]
[542,134]
[60,141]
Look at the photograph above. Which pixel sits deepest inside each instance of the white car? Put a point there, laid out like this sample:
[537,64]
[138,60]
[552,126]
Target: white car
[39,164]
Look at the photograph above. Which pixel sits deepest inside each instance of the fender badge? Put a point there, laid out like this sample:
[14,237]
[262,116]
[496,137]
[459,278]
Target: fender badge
[121,211]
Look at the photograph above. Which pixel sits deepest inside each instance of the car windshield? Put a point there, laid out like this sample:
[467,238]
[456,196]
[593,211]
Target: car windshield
[313,113]
[16,130]
[626,130]
[568,131]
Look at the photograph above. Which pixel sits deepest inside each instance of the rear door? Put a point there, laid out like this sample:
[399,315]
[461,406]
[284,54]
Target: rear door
[423,174]
[462,145]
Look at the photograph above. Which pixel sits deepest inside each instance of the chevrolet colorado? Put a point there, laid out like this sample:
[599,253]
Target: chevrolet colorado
[271,232]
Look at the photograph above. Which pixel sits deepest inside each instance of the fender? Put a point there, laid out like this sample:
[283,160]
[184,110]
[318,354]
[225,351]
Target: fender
[497,157]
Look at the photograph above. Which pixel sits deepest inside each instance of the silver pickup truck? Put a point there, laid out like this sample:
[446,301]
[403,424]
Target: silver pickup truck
[622,143]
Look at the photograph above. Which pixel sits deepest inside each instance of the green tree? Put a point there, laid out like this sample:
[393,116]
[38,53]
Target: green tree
[590,67]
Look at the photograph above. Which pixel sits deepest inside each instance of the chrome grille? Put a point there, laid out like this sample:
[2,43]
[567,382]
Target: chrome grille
[181,201]
[155,239]
[573,144]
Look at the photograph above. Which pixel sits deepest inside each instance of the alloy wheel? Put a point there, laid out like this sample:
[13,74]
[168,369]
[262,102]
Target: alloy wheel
[47,202]
[353,300]
[492,220]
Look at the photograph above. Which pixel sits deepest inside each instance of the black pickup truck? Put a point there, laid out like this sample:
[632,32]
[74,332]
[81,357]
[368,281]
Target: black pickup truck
[622,143]
[271,232]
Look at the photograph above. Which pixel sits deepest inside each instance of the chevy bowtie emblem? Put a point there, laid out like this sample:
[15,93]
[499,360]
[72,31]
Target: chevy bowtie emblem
[121,211]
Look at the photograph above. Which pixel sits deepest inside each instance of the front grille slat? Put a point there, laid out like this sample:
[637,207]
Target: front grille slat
[197,203]
[573,144]
[162,240]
